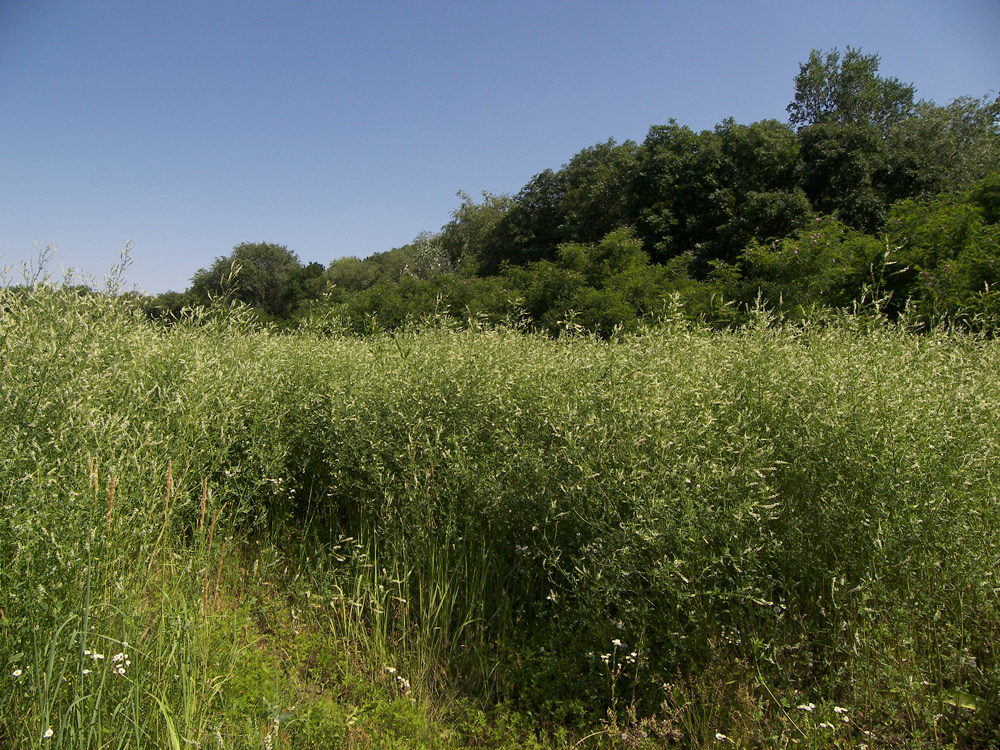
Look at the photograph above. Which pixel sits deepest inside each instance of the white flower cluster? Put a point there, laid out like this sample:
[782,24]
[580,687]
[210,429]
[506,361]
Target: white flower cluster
[120,662]
[404,684]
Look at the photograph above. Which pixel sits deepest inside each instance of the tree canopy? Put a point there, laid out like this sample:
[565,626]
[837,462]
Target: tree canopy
[262,275]
[847,90]
[862,187]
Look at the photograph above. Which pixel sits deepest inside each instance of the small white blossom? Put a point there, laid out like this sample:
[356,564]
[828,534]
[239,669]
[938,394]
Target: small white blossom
[720,736]
[826,725]
[806,706]
[617,643]
[16,673]
[839,710]
[390,670]
[48,733]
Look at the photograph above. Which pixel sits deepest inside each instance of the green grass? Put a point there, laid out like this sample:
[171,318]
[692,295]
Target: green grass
[484,538]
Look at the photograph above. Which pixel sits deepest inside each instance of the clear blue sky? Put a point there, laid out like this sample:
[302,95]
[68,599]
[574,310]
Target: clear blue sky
[342,128]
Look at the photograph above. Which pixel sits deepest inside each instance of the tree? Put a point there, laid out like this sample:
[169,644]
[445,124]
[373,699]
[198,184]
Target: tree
[711,193]
[827,264]
[843,173]
[470,239]
[945,148]
[259,274]
[582,202]
[677,173]
[950,247]
[847,90]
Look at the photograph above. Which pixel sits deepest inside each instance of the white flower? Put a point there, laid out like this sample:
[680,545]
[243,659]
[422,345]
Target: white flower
[16,673]
[826,724]
[617,643]
[720,736]
[48,733]
[390,670]
[85,671]
[839,710]
[806,706]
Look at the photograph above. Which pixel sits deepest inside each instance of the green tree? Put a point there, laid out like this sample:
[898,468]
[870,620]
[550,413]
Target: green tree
[847,90]
[306,283]
[471,238]
[945,148]
[711,193]
[600,286]
[843,173]
[168,305]
[354,275]
[583,201]
[950,246]
[828,265]
[260,274]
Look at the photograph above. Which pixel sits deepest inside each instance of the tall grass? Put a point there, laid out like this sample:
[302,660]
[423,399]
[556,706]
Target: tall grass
[773,534]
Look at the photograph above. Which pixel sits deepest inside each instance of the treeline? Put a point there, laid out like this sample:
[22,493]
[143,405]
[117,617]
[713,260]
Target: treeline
[864,195]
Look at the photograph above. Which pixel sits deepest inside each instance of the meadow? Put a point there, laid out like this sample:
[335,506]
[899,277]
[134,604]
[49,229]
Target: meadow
[215,534]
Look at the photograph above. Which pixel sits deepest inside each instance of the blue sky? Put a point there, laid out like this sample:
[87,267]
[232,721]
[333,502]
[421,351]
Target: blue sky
[187,127]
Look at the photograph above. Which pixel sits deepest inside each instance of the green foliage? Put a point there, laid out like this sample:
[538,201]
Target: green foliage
[847,90]
[825,266]
[472,236]
[952,251]
[262,275]
[945,148]
[712,528]
[842,171]
[583,201]
[715,191]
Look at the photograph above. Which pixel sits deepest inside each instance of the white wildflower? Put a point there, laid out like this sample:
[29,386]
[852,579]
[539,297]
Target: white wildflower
[16,673]
[806,706]
[839,710]
[48,733]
